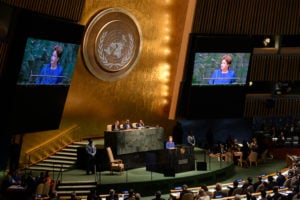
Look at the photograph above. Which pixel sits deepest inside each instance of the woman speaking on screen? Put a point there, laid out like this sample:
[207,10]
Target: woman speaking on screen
[223,75]
[52,73]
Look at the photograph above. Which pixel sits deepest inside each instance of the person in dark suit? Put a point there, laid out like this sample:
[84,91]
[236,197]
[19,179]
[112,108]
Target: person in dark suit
[131,195]
[184,191]
[276,195]
[140,124]
[191,140]
[116,126]
[112,195]
[219,192]
[158,196]
[280,179]
[257,183]
[127,125]
[91,152]
[235,185]
[93,195]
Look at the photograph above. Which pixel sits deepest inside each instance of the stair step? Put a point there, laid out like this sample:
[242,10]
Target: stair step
[55,165]
[69,150]
[82,142]
[74,146]
[37,168]
[71,154]
[60,161]
[63,157]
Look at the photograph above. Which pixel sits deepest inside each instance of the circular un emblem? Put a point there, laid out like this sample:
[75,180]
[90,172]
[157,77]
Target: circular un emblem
[112,44]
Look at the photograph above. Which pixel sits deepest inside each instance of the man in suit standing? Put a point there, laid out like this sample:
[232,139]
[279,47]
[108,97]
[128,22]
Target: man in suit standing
[91,152]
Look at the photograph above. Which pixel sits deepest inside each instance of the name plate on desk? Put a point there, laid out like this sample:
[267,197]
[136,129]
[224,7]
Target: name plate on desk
[135,140]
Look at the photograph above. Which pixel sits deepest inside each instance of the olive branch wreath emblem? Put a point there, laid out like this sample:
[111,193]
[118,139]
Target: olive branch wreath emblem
[125,58]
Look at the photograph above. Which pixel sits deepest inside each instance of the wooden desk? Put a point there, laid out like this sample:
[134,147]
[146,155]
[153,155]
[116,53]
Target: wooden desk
[134,140]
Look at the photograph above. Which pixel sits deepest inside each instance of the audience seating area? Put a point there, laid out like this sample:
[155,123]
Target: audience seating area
[284,189]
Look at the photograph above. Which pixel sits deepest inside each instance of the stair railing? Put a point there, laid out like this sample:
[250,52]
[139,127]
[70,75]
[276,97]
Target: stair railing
[51,146]
[59,176]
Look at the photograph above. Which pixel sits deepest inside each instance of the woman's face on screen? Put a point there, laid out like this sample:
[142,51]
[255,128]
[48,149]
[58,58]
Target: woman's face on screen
[54,58]
[224,66]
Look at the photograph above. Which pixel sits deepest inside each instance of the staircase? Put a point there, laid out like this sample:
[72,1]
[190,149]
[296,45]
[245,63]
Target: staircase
[81,188]
[62,160]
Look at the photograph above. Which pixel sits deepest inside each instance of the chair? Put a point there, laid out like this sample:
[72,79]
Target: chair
[252,158]
[263,156]
[46,188]
[40,188]
[241,161]
[109,127]
[115,164]
[42,191]
[134,124]
[228,157]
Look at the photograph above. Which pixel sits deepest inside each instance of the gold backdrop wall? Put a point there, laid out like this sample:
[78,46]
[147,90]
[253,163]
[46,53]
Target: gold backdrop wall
[145,93]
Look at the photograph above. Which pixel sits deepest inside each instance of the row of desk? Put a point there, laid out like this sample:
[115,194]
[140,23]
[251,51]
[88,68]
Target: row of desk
[175,193]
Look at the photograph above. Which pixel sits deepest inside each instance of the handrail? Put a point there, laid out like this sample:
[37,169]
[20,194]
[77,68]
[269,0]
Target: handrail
[51,146]
[52,139]
[59,176]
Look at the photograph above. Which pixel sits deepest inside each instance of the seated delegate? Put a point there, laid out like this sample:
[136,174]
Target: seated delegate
[127,125]
[116,126]
[140,124]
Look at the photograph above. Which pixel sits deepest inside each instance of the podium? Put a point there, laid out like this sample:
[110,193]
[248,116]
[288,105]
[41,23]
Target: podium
[171,161]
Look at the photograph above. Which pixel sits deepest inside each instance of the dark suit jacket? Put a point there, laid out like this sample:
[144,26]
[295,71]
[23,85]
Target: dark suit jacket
[113,127]
[127,126]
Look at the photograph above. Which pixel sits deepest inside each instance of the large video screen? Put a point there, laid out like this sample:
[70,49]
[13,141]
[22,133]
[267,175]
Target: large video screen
[215,76]
[43,53]
[47,62]
[220,68]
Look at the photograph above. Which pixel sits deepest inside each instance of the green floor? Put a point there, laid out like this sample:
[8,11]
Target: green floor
[270,166]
